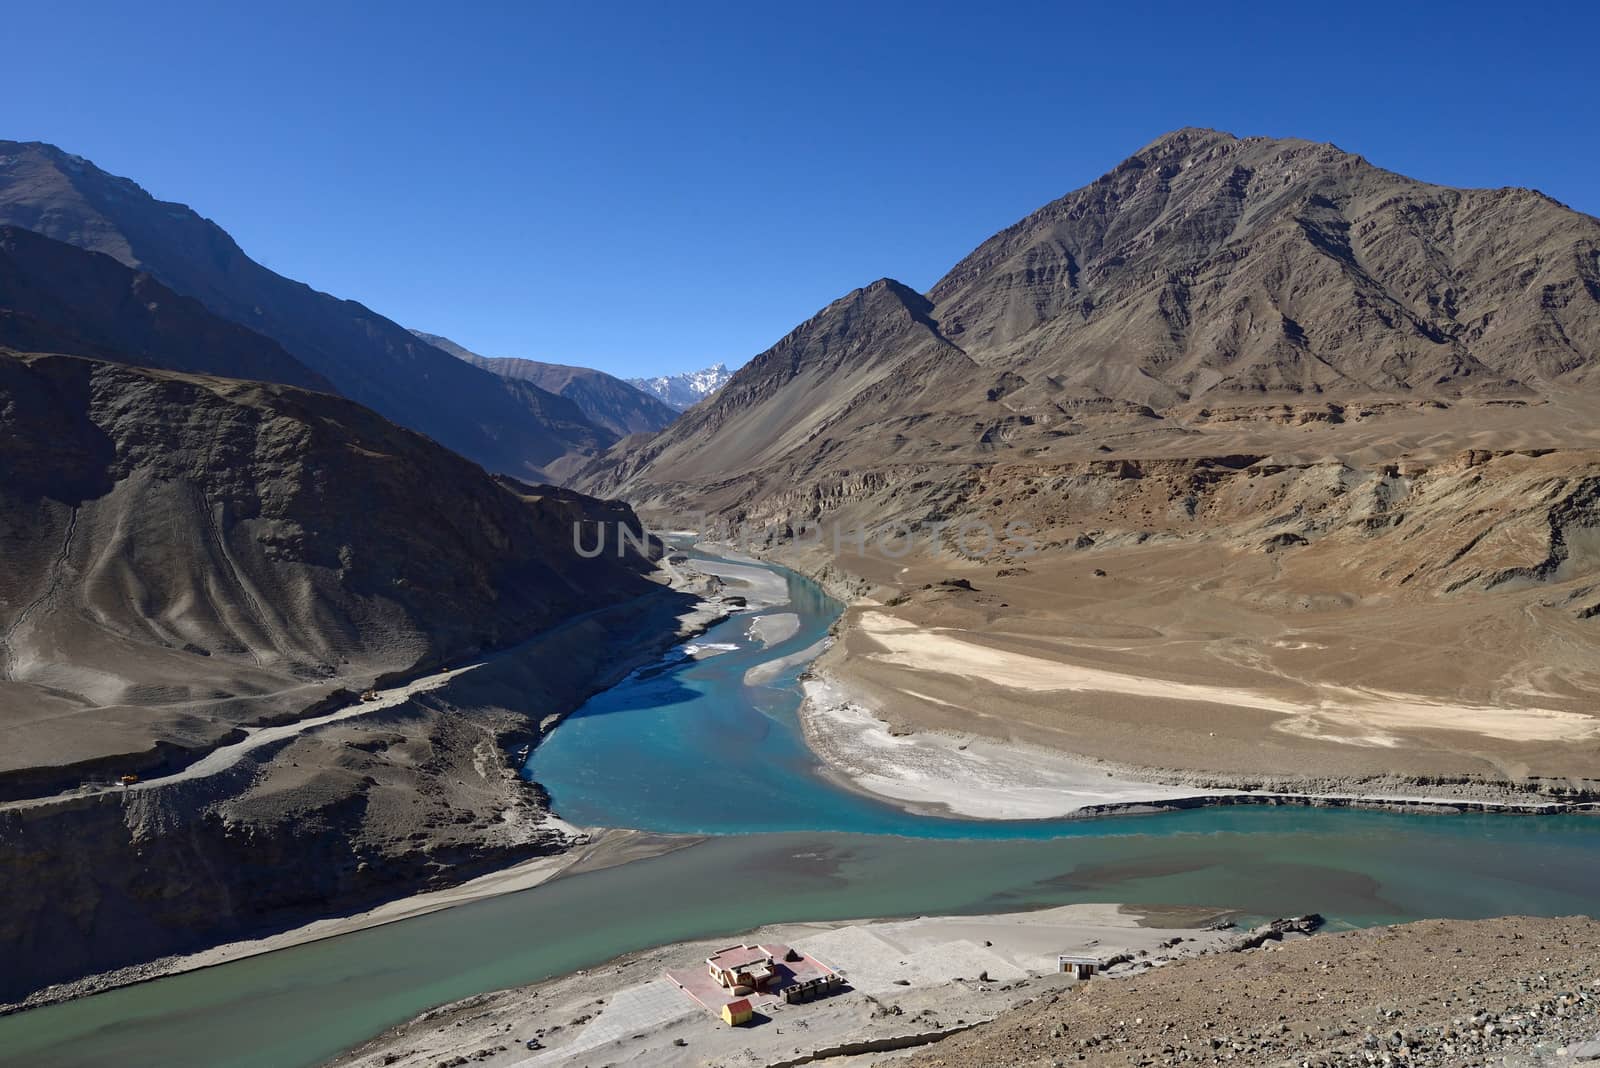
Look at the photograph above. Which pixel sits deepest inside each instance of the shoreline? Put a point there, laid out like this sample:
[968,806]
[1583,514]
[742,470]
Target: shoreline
[584,850]
[1023,770]
[592,850]
[910,981]
[971,777]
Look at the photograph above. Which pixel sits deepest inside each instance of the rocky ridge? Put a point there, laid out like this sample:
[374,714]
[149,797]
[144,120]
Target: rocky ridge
[507,426]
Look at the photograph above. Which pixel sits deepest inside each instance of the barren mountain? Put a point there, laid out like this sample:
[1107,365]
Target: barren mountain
[606,401]
[1275,421]
[192,558]
[508,426]
[58,298]
[1204,273]
[188,553]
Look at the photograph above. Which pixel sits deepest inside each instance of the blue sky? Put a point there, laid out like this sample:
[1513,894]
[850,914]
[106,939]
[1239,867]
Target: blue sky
[654,187]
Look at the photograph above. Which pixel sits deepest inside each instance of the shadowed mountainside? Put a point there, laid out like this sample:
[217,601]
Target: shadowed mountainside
[187,553]
[606,401]
[505,425]
[58,298]
[190,558]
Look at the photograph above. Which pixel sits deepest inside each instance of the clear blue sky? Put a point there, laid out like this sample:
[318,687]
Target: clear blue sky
[656,186]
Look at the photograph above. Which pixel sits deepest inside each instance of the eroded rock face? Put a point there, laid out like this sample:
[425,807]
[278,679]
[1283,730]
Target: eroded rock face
[174,539]
[189,556]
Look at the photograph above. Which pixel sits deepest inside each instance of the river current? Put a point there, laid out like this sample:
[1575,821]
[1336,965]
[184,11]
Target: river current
[688,746]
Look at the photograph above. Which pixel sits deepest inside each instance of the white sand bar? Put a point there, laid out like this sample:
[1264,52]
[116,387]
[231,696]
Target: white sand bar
[774,627]
[970,777]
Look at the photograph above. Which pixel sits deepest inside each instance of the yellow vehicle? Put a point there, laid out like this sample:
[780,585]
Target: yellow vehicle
[129,779]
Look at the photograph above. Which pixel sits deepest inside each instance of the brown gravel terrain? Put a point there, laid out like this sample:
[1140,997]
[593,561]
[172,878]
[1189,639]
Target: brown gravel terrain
[1510,991]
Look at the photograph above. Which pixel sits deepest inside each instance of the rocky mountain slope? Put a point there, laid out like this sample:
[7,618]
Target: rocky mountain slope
[192,557]
[684,391]
[1204,274]
[1268,415]
[1514,991]
[185,549]
[606,401]
[58,298]
[505,425]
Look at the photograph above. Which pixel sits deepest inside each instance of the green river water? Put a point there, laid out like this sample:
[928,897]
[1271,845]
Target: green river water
[632,757]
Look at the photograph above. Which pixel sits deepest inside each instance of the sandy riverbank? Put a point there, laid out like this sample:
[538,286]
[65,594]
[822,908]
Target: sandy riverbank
[944,773]
[947,774]
[743,577]
[1189,666]
[947,703]
[909,982]
[774,627]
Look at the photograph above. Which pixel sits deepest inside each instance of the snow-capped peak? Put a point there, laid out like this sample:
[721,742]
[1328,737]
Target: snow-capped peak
[687,389]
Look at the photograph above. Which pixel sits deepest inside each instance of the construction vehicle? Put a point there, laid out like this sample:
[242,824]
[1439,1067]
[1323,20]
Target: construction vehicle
[369,695]
[129,779]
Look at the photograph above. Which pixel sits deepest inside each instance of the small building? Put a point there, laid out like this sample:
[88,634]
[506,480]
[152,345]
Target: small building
[1081,967]
[736,1013]
[742,966]
[816,986]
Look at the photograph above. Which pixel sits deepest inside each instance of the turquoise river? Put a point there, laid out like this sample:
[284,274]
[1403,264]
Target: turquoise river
[796,847]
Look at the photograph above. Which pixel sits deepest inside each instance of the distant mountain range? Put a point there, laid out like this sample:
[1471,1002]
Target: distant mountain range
[684,391]
[605,401]
[506,424]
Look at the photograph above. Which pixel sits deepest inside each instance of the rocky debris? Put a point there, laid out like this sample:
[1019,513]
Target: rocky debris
[1285,540]
[1516,991]
[1273,932]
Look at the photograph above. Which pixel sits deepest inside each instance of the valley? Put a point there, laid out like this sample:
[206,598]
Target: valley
[1315,514]
[1220,540]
